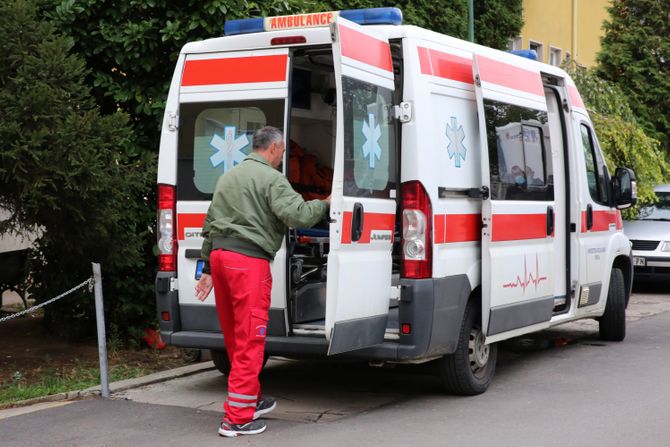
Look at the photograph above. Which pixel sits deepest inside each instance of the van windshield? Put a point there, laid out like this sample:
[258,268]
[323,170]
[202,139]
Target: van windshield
[659,210]
[214,137]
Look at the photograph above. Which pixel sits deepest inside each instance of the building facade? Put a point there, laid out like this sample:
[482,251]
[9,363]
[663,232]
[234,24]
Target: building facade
[563,29]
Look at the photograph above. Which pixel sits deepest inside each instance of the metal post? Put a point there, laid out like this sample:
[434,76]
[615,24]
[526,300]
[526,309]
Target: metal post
[100,320]
[471,21]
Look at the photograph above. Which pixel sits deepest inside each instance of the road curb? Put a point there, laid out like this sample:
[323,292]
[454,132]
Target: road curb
[116,387]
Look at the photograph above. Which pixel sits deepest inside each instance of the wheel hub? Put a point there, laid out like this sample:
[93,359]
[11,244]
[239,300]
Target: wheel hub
[479,351]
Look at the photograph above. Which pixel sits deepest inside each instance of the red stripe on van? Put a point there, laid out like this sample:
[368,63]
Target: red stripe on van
[189,221]
[602,220]
[365,48]
[424,61]
[451,228]
[445,65]
[440,228]
[507,75]
[235,70]
[575,97]
[516,227]
[371,222]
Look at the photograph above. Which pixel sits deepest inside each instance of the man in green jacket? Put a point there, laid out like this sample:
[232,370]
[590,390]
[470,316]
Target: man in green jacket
[252,206]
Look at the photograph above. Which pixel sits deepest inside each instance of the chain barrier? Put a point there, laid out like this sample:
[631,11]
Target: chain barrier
[89,281]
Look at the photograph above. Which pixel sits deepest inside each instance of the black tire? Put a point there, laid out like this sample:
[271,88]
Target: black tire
[613,321]
[191,355]
[220,359]
[469,370]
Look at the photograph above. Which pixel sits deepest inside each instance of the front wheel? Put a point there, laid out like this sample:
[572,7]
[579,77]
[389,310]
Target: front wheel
[469,370]
[612,324]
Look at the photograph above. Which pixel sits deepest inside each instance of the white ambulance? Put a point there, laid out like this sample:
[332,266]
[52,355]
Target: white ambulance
[470,200]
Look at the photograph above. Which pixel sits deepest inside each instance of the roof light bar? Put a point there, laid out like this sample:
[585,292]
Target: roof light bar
[373,16]
[368,16]
[528,54]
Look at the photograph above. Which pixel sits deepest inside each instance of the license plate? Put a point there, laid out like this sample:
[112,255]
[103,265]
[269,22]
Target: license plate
[639,261]
[198,268]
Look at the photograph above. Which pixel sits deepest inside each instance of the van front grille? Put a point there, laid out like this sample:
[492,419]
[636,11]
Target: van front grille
[645,245]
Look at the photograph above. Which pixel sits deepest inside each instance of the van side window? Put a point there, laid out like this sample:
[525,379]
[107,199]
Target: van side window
[519,152]
[596,171]
[369,140]
[214,137]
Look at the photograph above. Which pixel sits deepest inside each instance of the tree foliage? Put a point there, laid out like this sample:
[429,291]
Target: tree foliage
[635,55]
[131,46]
[622,138]
[70,173]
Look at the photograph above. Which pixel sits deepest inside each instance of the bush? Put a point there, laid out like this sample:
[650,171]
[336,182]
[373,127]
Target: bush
[73,174]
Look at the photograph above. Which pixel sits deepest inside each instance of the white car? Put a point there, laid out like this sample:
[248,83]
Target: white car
[650,235]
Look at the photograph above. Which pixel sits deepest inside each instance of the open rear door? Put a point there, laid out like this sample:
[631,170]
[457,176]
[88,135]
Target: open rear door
[363,203]
[518,217]
[224,98]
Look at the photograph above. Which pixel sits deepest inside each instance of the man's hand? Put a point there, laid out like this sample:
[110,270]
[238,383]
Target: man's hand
[203,287]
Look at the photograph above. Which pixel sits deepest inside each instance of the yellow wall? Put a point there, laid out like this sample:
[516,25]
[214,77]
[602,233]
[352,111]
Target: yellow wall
[574,26]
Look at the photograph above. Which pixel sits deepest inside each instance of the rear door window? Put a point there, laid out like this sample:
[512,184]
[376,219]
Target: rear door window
[215,137]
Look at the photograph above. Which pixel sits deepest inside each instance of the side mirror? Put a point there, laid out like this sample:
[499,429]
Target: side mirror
[624,187]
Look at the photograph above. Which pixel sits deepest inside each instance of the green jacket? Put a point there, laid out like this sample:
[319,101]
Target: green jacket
[252,206]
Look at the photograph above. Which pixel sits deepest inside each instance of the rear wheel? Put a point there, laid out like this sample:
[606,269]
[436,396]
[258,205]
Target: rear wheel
[220,359]
[613,321]
[469,370]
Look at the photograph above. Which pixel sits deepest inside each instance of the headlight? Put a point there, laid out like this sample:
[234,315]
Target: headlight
[665,246]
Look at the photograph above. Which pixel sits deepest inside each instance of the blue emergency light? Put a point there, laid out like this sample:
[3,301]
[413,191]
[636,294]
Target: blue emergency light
[528,54]
[368,16]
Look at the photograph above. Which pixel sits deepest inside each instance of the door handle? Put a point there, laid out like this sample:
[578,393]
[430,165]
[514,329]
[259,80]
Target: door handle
[550,221]
[589,217]
[357,222]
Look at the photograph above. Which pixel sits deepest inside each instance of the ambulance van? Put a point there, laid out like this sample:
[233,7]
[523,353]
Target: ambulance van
[470,200]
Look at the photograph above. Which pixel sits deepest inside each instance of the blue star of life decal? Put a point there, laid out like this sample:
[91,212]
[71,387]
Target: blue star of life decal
[372,132]
[456,135]
[228,148]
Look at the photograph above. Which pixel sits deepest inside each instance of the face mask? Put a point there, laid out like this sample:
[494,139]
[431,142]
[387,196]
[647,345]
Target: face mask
[520,180]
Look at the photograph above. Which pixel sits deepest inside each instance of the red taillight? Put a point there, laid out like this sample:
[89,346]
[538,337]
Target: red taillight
[165,316]
[288,40]
[417,216]
[406,329]
[167,235]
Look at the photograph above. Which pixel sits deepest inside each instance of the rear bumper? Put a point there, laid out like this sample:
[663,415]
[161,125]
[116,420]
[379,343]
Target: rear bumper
[433,309]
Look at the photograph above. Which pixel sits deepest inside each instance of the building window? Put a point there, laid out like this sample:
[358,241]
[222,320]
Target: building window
[539,49]
[555,56]
[515,44]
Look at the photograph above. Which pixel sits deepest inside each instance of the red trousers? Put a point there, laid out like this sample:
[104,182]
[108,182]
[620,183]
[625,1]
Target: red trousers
[242,286]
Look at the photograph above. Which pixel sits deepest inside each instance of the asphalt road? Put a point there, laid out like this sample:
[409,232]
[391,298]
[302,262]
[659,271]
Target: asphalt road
[562,387]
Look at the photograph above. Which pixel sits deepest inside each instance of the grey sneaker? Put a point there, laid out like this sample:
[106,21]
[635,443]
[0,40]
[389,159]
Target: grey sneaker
[250,428]
[264,406]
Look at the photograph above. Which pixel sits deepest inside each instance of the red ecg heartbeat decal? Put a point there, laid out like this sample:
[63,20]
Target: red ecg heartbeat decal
[528,278]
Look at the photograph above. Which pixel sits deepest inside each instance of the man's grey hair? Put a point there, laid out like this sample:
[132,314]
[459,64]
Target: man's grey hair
[265,136]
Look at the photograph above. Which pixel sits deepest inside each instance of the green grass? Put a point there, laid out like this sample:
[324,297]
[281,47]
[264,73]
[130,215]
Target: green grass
[54,381]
